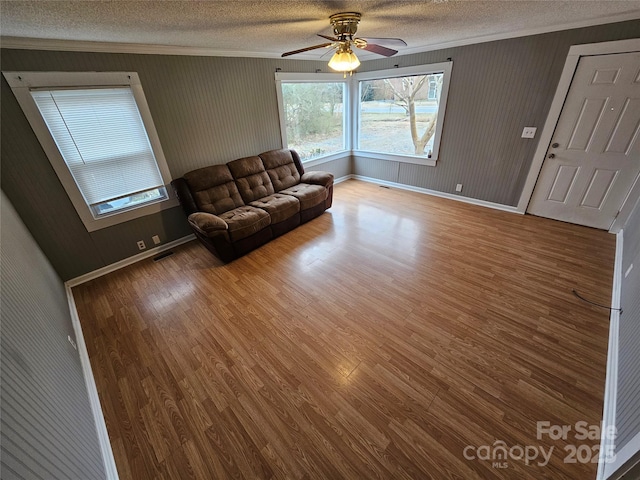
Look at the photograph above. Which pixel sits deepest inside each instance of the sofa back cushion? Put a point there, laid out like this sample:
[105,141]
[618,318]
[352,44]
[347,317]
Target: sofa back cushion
[281,168]
[214,189]
[252,179]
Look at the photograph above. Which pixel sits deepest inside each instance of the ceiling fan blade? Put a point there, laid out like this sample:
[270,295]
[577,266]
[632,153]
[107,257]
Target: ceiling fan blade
[286,54]
[379,49]
[333,39]
[394,42]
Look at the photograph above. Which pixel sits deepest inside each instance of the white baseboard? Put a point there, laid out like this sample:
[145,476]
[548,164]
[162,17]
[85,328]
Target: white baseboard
[611,383]
[342,179]
[94,399]
[625,460]
[74,282]
[435,193]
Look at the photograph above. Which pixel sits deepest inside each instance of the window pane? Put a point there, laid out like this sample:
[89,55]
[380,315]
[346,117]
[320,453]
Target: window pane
[101,136]
[398,115]
[314,118]
[129,202]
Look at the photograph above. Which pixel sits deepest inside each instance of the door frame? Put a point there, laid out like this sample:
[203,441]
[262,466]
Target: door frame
[570,66]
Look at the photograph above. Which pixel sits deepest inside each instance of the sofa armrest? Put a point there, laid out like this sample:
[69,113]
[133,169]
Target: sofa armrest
[318,178]
[207,224]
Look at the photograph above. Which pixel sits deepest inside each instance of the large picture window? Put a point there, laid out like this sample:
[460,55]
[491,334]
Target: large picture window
[98,134]
[401,112]
[313,113]
[395,114]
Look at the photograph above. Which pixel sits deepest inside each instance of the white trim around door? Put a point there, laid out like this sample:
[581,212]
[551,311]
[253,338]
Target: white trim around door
[575,52]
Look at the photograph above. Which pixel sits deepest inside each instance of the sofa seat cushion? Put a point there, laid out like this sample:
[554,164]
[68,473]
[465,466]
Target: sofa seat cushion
[280,207]
[308,195]
[245,221]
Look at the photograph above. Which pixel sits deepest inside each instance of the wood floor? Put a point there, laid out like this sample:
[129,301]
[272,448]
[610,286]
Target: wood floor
[377,341]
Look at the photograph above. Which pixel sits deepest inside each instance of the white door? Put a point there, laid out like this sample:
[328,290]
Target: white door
[594,156]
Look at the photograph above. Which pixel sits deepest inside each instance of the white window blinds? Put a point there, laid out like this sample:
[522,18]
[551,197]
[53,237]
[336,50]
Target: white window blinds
[102,139]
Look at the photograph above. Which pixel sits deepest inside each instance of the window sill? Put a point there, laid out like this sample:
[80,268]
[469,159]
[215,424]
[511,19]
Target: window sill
[93,224]
[429,162]
[326,158]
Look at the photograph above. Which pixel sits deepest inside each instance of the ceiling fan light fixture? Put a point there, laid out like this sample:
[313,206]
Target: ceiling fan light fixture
[344,60]
[345,26]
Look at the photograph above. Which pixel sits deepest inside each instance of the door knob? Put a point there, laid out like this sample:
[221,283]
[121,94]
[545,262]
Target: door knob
[551,155]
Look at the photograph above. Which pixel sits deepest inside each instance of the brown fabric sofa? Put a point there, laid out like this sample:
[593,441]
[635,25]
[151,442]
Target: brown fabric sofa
[237,207]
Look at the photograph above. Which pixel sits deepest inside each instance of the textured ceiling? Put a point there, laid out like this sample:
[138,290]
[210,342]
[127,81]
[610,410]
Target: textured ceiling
[268,28]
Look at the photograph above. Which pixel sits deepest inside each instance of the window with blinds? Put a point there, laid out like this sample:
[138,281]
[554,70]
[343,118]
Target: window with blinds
[103,141]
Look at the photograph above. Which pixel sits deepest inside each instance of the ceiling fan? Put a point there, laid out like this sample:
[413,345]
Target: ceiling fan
[345,26]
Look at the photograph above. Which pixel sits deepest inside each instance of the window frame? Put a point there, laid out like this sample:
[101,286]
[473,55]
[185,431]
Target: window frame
[22,82]
[444,67]
[288,77]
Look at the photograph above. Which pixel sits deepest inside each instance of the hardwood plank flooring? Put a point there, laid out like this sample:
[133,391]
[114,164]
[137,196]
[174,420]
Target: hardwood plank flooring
[374,342]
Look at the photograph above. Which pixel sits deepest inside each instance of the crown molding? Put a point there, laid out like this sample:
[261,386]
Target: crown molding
[524,33]
[28,43]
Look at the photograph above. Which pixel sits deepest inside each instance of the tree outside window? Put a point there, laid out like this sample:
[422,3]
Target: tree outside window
[399,115]
[394,114]
[314,117]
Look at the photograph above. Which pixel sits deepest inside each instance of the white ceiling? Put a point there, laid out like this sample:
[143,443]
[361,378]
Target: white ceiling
[266,28]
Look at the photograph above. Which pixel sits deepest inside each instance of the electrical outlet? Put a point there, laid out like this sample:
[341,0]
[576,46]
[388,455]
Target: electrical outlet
[529,132]
[459,187]
[141,245]
[156,239]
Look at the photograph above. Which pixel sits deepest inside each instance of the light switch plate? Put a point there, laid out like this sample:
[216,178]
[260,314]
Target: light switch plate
[529,132]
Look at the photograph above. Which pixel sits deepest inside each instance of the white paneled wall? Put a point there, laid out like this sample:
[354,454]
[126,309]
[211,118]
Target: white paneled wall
[627,419]
[47,427]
